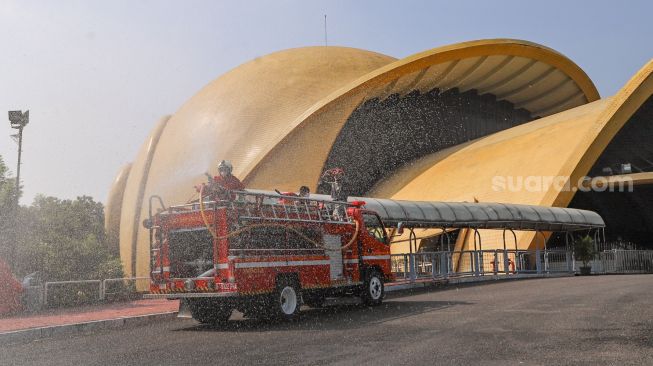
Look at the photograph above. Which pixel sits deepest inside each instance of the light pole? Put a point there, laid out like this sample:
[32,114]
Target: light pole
[18,120]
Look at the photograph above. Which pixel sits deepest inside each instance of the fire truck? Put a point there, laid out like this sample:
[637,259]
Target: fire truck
[266,253]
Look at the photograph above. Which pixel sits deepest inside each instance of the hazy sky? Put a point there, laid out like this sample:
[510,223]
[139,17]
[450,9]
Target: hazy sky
[97,75]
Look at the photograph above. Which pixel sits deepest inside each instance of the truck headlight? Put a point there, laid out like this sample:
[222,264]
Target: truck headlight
[190,284]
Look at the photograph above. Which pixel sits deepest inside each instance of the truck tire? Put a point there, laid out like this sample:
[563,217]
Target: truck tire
[207,312]
[286,300]
[373,288]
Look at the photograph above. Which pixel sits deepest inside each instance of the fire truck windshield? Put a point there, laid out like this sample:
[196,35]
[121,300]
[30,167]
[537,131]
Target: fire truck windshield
[374,227]
[190,252]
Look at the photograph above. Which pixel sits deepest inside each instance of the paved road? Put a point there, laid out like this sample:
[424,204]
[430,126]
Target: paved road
[600,320]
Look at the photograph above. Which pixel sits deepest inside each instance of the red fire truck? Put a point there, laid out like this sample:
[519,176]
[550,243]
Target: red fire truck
[265,254]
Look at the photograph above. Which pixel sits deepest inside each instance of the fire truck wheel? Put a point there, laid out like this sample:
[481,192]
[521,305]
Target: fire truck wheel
[286,300]
[373,288]
[207,313]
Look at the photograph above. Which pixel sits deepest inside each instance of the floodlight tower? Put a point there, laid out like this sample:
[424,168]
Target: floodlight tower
[18,120]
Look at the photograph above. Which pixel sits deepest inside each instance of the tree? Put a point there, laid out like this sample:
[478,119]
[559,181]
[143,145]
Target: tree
[584,250]
[65,240]
[61,239]
[7,209]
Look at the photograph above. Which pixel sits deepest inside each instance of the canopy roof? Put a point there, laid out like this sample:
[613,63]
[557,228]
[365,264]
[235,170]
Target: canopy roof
[481,215]
[461,215]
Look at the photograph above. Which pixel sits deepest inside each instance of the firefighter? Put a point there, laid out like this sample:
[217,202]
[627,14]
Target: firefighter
[223,182]
[225,179]
[304,191]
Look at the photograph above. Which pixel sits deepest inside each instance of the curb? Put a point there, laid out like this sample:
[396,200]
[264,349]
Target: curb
[442,283]
[71,329]
[416,285]
[524,276]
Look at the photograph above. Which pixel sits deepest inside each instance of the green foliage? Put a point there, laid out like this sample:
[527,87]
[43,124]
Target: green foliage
[65,240]
[7,208]
[7,186]
[584,249]
[61,239]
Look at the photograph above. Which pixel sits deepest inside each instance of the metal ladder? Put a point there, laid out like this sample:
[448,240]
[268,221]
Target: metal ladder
[276,207]
[261,206]
[154,230]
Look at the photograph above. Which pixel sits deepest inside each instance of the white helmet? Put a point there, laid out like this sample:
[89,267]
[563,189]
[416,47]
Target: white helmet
[225,165]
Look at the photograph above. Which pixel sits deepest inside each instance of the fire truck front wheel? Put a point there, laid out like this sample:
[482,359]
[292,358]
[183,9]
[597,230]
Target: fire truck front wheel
[286,300]
[373,288]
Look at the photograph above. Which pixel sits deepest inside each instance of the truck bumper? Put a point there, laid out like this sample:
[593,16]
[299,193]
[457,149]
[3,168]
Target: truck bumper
[190,295]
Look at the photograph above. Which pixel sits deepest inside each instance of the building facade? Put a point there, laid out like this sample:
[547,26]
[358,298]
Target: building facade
[491,120]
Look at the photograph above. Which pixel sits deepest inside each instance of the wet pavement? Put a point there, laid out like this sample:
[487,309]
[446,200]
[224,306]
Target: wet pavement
[597,320]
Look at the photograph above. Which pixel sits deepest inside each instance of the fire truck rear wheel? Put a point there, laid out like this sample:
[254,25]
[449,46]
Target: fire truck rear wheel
[373,288]
[208,313]
[286,300]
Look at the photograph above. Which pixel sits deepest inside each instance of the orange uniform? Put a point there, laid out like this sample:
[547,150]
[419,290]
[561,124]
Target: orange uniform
[229,182]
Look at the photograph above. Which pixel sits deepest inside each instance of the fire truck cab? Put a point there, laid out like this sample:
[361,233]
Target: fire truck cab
[265,254]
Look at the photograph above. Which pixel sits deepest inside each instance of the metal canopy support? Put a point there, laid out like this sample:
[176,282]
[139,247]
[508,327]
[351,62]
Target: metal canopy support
[444,230]
[538,258]
[514,236]
[505,254]
[412,240]
[568,253]
[478,253]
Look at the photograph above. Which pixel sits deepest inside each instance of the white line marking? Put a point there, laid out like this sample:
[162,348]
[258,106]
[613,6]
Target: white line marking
[372,257]
[281,264]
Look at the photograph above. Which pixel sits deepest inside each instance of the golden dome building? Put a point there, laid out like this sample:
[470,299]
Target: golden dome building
[439,125]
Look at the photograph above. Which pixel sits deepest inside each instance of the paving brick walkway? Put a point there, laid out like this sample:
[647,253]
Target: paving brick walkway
[86,314]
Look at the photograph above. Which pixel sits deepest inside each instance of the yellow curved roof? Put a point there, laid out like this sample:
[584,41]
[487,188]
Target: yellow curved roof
[529,75]
[517,165]
[234,117]
[276,117]
[523,73]
[113,208]
[133,198]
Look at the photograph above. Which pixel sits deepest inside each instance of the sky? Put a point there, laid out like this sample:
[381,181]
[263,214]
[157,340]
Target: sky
[97,75]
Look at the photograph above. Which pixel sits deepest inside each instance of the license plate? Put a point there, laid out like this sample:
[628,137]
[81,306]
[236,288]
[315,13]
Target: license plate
[221,286]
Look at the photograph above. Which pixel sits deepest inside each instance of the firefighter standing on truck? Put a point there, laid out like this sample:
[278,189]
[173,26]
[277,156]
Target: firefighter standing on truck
[220,184]
[225,179]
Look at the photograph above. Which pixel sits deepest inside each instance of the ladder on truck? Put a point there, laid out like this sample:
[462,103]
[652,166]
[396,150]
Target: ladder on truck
[278,207]
[154,230]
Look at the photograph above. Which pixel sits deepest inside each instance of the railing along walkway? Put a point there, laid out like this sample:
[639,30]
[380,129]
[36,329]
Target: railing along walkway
[407,268]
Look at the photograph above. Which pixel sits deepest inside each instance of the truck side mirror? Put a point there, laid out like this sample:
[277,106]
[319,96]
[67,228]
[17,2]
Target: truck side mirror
[400,228]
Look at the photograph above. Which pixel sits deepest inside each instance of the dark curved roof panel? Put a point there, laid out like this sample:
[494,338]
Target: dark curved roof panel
[425,214]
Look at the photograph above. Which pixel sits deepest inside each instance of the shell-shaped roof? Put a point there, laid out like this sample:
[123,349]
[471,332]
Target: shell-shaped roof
[235,117]
[539,163]
[529,75]
[112,210]
[523,73]
[276,117]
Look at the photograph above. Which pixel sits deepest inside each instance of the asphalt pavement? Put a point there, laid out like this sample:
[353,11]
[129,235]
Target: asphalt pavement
[595,320]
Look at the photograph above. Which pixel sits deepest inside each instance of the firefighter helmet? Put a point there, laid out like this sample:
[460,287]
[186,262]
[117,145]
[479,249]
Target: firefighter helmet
[225,165]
